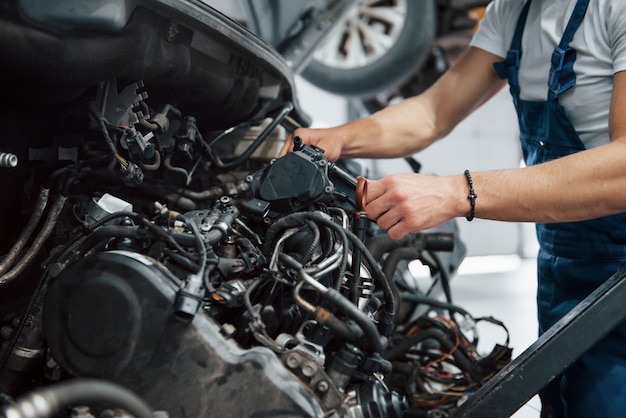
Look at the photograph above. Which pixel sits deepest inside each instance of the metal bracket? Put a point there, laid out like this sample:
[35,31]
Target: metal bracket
[118,107]
[554,351]
[300,50]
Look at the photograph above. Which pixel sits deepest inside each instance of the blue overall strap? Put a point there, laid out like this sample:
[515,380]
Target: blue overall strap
[509,68]
[562,75]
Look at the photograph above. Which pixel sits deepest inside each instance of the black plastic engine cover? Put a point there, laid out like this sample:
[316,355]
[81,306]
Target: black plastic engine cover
[111,316]
[294,180]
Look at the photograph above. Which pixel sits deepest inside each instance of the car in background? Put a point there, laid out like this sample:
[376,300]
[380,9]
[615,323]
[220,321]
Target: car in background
[359,48]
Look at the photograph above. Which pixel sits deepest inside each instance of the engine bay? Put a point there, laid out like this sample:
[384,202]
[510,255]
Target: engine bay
[152,240]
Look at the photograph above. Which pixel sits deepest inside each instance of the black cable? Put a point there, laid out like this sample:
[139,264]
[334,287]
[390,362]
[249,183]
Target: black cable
[385,282]
[373,264]
[200,247]
[144,221]
[40,239]
[31,224]
[426,300]
[102,123]
[402,345]
[444,277]
[314,242]
[299,219]
[50,400]
[374,341]
[285,111]
[32,302]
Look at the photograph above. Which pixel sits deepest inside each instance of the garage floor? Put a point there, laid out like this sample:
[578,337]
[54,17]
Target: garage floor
[502,287]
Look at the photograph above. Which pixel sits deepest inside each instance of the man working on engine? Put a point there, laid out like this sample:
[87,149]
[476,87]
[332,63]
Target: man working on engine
[564,61]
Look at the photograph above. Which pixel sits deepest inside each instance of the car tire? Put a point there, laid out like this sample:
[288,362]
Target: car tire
[331,70]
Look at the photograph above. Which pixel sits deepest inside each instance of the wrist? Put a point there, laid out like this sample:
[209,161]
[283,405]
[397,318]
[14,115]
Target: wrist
[461,193]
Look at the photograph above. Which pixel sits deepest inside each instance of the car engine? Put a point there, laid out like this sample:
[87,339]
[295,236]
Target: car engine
[158,258]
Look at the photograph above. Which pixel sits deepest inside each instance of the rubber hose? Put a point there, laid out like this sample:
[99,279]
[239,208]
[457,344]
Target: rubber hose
[48,401]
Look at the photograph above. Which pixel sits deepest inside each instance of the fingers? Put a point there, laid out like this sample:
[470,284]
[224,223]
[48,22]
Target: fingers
[405,203]
[287,146]
[322,138]
[375,204]
[307,136]
[378,206]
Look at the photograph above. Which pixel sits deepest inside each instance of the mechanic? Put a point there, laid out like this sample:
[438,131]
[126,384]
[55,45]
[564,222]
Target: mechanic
[564,61]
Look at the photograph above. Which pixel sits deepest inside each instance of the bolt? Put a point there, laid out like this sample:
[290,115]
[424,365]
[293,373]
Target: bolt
[309,369]
[322,386]
[293,361]
[8,160]
[228,330]
[172,32]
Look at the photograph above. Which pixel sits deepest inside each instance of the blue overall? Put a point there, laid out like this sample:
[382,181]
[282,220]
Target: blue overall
[574,257]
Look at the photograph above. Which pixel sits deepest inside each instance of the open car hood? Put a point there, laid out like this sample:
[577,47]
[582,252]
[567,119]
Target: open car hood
[55,51]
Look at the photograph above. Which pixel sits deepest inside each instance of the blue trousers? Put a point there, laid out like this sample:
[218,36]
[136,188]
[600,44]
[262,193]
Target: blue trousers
[595,385]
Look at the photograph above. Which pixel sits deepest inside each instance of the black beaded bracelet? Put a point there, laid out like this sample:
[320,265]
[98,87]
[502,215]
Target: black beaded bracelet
[471,196]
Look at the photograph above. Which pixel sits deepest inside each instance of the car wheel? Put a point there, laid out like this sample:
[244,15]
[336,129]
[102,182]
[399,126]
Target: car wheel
[380,45]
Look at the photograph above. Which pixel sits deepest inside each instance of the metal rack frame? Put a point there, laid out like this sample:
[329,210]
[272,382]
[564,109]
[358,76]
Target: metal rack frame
[554,351]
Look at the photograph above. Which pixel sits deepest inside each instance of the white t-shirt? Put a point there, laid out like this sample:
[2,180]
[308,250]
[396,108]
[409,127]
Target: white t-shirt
[600,43]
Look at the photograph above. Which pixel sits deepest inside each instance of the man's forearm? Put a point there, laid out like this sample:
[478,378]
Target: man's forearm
[581,186]
[396,131]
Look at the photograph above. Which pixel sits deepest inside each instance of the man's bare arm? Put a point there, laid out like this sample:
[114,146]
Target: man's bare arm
[581,186]
[415,123]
